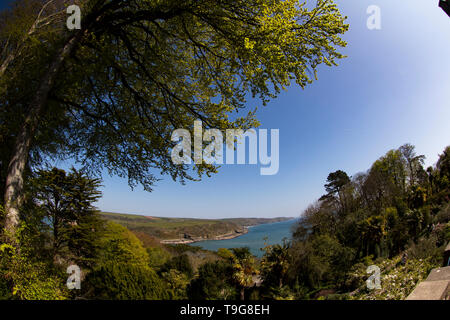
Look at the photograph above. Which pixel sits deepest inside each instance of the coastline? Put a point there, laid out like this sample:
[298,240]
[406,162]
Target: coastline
[230,235]
[189,239]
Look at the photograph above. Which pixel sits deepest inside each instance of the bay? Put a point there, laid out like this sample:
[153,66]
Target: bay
[254,239]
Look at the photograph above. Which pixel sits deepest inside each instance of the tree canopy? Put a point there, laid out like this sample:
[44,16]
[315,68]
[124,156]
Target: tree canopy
[110,94]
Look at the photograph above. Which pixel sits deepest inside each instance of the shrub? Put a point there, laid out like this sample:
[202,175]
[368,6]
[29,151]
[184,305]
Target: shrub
[125,281]
[213,282]
[24,279]
[177,283]
[443,216]
[157,257]
[180,263]
[425,248]
[121,245]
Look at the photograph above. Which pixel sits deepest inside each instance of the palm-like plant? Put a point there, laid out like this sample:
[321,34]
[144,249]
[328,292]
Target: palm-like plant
[244,268]
[276,261]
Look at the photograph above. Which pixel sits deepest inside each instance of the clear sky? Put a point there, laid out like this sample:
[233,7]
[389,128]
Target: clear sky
[392,89]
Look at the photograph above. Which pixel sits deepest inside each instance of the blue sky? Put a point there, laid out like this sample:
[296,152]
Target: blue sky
[392,89]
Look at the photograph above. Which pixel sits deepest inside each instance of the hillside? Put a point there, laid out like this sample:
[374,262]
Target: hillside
[187,230]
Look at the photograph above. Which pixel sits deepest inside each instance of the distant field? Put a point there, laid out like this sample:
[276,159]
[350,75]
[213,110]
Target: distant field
[185,228]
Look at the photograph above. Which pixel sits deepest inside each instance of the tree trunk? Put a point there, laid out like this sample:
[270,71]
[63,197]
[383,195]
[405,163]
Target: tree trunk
[5,64]
[14,178]
[412,174]
[242,294]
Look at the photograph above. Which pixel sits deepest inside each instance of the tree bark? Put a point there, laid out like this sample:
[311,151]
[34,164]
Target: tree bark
[14,179]
[5,64]
[242,294]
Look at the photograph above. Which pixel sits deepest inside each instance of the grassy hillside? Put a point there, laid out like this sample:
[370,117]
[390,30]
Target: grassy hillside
[255,221]
[186,229]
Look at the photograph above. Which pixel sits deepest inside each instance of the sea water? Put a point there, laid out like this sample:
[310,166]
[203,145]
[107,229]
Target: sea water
[254,239]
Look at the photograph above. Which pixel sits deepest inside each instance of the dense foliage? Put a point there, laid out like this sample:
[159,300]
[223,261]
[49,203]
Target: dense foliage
[396,216]
[125,281]
[111,94]
[397,209]
[109,97]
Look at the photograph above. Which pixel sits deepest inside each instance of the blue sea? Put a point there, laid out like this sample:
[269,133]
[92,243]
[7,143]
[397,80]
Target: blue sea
[254,239]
